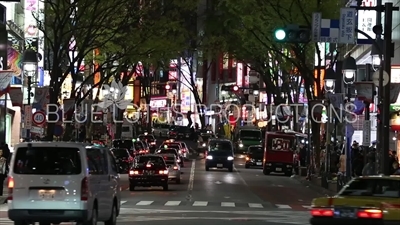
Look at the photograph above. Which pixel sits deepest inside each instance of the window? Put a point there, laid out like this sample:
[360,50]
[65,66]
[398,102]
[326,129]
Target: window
[167,151]
[220,146]
[97,161]
[113,164]
[151,159]
[48,161]
[386,188]
[120,153]
[256,150]
[250,134]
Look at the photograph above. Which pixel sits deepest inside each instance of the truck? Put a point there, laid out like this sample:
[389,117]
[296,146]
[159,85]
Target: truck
[279,149]
[245,137]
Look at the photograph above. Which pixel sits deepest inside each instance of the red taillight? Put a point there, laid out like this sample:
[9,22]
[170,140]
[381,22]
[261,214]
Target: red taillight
[175,168]
[148,165]
[84,189]
[370,214]
[10,186]
[322,212]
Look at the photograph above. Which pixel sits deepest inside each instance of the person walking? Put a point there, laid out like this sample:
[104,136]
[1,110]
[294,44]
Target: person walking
[3,171]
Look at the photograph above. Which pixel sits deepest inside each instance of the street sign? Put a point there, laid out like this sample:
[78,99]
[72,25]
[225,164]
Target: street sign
[28,116]
[39,118]
[347,25]
[316,27]
[366,133]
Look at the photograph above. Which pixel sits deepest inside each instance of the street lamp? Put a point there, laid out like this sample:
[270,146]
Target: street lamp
[329,86]
[376,54]
[330,79]
[30,66]
[349,69]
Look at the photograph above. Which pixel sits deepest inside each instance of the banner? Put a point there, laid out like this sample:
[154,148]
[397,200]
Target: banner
[16,96]
[5,80]
[41,98]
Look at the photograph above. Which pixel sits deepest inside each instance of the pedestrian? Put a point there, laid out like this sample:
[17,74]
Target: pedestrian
[369,168]
[3,171]
[396,168]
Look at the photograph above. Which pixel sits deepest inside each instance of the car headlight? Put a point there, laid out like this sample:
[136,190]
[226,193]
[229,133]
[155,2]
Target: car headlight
[204,145]
[209,157]
[241,145]
[230,158]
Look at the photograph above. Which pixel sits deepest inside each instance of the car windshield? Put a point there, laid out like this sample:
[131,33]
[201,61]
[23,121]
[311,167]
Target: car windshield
[379,187]
[172,145]
[167,151]
[250,134]
[138,145]
[120,153]
[128,144]
[151,159]
[148,138]
[205,137]
[47,161]
[220,146]
[256,150]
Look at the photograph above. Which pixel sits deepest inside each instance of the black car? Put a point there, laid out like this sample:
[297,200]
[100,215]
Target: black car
[149,171]
[254,156]
[171,150]
[140,148]
[127,144]
[220,155]
[123,158]
[180,132]
[149,139]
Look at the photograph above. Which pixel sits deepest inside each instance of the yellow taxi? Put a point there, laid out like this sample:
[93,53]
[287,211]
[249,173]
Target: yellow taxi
[364,201]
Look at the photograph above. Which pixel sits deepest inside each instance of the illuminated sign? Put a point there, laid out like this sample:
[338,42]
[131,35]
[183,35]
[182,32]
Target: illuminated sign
[280,144]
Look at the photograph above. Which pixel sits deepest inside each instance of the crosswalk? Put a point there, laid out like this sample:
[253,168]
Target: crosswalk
[202,204]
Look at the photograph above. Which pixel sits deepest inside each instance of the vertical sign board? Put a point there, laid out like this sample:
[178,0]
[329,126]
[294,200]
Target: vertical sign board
[366,133]
[316,27]
[347,25]
[366,21]
[28,116]
[3,66]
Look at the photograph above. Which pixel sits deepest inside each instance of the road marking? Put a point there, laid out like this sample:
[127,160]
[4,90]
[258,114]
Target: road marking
[3,208]
[191,177]
[255,205]
[200,203]
[173,203]
[227,204]
[283,206]
[123,202]
[145,203]
[306,206]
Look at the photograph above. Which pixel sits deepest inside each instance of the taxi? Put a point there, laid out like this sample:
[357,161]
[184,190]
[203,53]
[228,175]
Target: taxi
[364,200]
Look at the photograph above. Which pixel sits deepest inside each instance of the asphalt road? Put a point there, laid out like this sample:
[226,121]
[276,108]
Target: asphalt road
[244,196]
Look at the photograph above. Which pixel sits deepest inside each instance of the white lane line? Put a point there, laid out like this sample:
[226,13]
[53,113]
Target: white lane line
[306,206]
[283,206]
[227,204]
[200,203]
[255,205]
[173,203]
[191,177]
[123,202]
[145,203]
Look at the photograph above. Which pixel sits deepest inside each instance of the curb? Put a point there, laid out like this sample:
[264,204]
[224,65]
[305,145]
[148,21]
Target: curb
[3,200]
[314,186]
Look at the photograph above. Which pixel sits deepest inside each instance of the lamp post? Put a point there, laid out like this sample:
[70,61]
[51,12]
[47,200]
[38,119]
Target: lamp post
[349,76]
[30,62]
[329,86]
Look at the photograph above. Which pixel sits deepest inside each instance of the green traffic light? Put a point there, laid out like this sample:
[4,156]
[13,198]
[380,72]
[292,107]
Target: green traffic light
[280,34]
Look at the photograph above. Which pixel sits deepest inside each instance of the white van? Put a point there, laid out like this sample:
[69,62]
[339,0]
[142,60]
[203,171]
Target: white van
[55,182]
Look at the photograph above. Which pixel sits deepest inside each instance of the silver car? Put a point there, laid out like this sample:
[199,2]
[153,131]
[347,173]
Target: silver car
[174,170]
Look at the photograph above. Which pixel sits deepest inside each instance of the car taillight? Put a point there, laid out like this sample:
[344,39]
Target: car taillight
[133,172]
[163,172]
[370,214]
[322,212]
[10,186]
[84,189]
[175,168]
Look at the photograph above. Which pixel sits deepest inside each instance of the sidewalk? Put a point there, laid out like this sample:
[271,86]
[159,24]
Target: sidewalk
[315,185]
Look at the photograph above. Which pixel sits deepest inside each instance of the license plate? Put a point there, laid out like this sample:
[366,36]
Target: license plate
[345,213]
[48,194]
[278,169]
[149,172]
[258,163]
[220,165]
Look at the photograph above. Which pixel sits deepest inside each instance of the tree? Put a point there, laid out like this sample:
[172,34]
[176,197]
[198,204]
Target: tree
[80,27]
[250,38]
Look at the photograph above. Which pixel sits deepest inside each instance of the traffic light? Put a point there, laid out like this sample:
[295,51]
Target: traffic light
[230,88]
[292,34]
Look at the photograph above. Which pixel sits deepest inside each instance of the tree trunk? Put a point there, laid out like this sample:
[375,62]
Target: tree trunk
[200,108]
[52,113]
[69,128]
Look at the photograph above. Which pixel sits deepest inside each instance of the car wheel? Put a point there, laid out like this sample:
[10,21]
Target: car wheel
[178,180]
[165,187]
[207,168]
[247,166]
[20,223]
[131,187]
[288,174]
[113,217]
[266,172]
[230,169]
[93,220]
